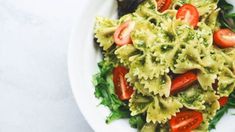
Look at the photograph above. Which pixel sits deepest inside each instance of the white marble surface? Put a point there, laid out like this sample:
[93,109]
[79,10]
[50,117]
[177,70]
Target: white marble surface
[35,94]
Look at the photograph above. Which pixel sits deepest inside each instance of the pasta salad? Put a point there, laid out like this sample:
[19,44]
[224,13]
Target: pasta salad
[167,66]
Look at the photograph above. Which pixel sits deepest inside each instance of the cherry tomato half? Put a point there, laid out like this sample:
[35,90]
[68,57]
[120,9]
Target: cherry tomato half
[224,38]
[223,101]
[122,89]
[186,121]
[183,81]
[163,5]
[122,35]
[189,14]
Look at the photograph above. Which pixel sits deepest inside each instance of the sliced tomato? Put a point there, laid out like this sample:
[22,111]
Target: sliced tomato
[163,5]
[188,13]
[223,101]
[122,89]
[183,81]
[224,38]
[186,121]
[122,35]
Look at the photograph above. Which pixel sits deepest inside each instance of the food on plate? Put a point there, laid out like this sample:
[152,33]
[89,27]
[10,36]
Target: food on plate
[168,65]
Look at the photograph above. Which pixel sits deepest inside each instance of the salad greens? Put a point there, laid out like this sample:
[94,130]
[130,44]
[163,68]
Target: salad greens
[104,90]
[137,121]
[226,18]
[220,113]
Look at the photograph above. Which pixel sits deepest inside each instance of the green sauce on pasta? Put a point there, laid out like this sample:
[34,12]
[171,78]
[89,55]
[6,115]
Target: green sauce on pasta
[161,44]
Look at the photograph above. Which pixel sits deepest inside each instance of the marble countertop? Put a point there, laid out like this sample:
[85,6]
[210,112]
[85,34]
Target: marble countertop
[35,94]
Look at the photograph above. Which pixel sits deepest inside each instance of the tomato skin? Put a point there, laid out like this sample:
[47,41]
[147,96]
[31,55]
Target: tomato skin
[122,34]
[224,38]
[183,81]
[122,89]
[188,13]
[163,5]
[223,101]
[186,121]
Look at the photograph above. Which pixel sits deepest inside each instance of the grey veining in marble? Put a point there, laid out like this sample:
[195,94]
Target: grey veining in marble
[35,94]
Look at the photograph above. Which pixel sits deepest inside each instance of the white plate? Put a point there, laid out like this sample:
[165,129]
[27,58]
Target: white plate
[82,63]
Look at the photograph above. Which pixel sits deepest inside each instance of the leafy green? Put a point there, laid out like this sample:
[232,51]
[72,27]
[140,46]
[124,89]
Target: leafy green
[222,111]
[118,114]
[127,6]
[226,19]
[104,90]
[137,121]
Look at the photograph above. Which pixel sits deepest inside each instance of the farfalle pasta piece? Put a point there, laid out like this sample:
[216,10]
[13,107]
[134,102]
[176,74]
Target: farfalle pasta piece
[124,53]
[158,86]
[207,9]
[158,109]
[162,109]
[208,75]
[192,98]
[188,59]
[135,82]
[229,57]
[211,103]
[144,35]
[211,20]
[139,88]
[149,11]
[206,79]
[164,51]
[183,31]
[104,30]
[195,53]
[196,56]
[204,35]
[226,82]
[204,6]
[146,67]
[139,103]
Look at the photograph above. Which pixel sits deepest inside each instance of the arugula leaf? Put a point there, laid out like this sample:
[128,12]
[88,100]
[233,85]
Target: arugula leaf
[226,19]
[220,113]
[137,121]
[127,6]
[122,112]
[224,5]
[104,90]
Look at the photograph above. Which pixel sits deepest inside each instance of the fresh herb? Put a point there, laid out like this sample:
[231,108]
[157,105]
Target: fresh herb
[127,6]
[220,113]
[226,18]
[104,90]
[137,121]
